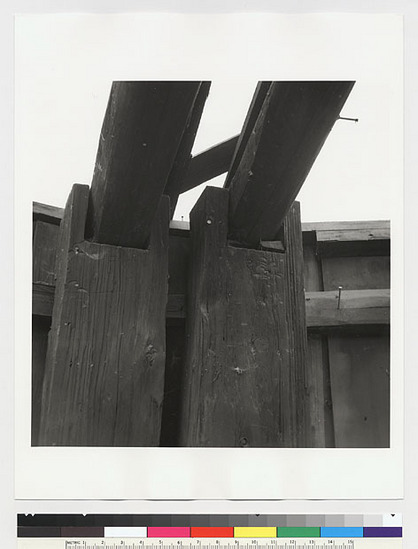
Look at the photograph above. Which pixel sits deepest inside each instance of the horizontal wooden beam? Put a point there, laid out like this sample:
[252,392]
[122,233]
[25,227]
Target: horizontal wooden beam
[292,126]
[358,229]
[49,214]
[43,302]
[355,308]
[42,299]
[209,164]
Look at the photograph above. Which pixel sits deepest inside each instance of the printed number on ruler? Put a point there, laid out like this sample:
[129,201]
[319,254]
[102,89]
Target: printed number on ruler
[212,544]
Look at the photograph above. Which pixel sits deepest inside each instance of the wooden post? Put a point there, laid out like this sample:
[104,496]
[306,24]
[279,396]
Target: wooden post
[104,374]
[245,369]
[293,123]
[143,127]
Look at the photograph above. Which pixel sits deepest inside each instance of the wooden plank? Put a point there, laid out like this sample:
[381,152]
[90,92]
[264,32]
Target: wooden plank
[360,384]
[49,214]
[140,138]
[312,264]
[40,330]
[347,235]
[183,157]
[104,374]
[42,299]
[293,124]
[44,249]
[245,373]
[43,302]
[209,164]
[252,115]
[367,241]
[294,368]
[357,308]
[356,273]
[319,389]
[346,225]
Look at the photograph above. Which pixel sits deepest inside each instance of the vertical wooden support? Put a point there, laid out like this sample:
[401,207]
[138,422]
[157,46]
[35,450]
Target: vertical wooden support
[104,374]
[245,369]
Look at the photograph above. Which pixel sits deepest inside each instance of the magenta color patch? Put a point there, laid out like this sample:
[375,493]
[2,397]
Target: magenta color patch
[168,532]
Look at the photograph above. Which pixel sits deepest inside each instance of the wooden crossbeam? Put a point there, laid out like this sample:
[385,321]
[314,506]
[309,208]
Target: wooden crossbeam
[209,164]
[356,308]
[142,131]
[249,123]
[291,127]
[183,157]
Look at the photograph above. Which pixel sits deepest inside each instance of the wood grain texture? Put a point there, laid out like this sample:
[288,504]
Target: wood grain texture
[104,374]
[183,157]
[356,273]
[209,164]
[293,124]
[360,383]
[47,213]
[42,299]
[142,131]
[244,385]
[253,113]
[357,308]
[44,249]
[320,401]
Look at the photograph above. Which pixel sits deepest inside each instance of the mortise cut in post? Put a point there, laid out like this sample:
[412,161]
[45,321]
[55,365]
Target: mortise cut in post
[104,374]
[142,130]
[245,369]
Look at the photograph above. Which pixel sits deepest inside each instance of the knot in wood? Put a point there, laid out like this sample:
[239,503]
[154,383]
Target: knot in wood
[243,442]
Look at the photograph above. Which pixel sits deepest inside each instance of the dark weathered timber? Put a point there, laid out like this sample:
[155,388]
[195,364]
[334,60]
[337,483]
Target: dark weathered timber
[209,164]
[360,383]
[293,124]
[183,157]
[174,365]
[294,369]
[249,123]
[357,308]
[104,374]
[243,384]
[49,214]
[42,299]
[140,138]
[356,273]
[40,329]
[44,249]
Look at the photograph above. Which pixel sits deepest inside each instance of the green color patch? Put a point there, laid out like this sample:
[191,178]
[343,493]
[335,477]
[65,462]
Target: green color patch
[298,532]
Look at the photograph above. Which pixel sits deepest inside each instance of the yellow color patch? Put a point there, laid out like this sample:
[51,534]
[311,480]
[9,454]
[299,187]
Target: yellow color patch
[255,532]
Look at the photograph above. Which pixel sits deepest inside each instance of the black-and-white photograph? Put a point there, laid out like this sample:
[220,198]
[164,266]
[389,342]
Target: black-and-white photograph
[240,327]
[209,256]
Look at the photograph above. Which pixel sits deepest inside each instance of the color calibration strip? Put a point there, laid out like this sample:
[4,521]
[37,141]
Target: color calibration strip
[211,532]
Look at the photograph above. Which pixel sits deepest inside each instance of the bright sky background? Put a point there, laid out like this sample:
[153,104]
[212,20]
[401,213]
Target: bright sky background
[65,68]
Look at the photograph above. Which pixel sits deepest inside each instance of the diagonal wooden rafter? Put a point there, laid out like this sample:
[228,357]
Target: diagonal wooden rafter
[291,128]
[142,133]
